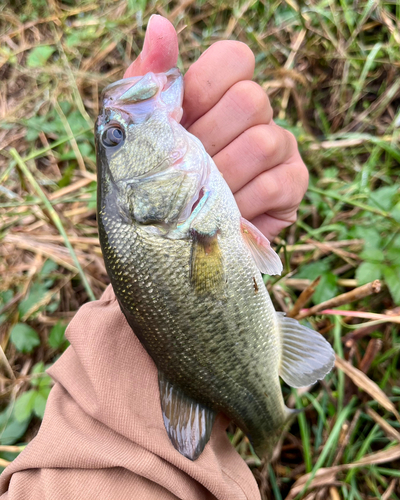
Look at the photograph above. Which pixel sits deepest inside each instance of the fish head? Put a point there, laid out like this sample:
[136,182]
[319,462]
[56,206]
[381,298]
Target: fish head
[142,149]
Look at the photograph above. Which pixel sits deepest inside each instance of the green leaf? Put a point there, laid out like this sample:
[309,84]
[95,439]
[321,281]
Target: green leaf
[392,278]
[57,335]
[372,254]
[39,55]
[24,337]
[14,431]
[313,270]
[395,213]
[36,294]
[37,370]
[326,289]
[371,237]
[24,405]
[39,404]
[367,272]
[41,379]
[382,197]
[393,255]
[11,430]
[48,267]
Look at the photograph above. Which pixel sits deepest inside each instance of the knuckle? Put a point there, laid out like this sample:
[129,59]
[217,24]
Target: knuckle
[250,97]
[264,144]
[235,52]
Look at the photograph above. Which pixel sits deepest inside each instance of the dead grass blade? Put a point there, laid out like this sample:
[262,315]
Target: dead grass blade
[304,298]
[326,476]
[55,218]
[390,490]
[366,384]
[390,431]
[345,298]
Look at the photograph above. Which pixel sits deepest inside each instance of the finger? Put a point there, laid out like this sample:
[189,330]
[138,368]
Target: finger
[205,83]
[256,150]
[244,105]
[277,192]
[160,49]
[271,226]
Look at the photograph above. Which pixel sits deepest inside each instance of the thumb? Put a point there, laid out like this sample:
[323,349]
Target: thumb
[160,49]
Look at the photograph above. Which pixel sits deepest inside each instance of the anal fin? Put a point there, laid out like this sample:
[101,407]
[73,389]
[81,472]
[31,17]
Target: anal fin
[266,259]
[188,423]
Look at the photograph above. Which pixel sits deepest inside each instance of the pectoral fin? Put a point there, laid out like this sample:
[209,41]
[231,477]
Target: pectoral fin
[306,355]
[268,261]
[188,423]
[206,264]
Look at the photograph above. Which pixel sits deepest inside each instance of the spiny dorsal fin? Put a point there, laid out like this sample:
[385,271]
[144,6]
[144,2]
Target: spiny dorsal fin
[188,423]
[206,263]
[306,355]
[267,260]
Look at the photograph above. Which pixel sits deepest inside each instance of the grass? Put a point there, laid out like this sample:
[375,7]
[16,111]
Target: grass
[331,69]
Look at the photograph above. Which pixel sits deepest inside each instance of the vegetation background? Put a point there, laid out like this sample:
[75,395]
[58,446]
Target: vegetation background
[331,69]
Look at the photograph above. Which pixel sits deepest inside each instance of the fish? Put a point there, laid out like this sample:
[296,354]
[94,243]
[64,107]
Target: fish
[186,269]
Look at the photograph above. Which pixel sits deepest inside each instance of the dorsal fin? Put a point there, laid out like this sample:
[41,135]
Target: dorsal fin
[188,423]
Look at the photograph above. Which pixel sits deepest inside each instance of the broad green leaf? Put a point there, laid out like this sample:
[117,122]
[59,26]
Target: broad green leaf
[24,337]
[371,237]
[48,267]
[41,379]
[45,382]
[326,289]
[372,254]
[11,430]
[39,404]
[37,370]
[57,335]
[14,431]
[313,270]
[382,197]
[39,56]
[6,296]
[36,294]
[24,405]
[395,213]
[393,255]
[367,272]
[392,278]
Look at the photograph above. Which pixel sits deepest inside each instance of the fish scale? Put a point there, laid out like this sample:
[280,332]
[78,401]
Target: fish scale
[185,268]
[165,323]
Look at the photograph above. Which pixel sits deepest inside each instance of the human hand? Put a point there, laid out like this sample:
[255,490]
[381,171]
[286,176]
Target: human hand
[232,117]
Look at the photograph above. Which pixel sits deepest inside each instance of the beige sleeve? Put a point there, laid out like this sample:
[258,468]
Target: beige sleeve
[103,436]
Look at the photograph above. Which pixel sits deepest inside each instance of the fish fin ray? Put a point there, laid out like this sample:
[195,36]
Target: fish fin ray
[306,355]
[206,263]
[266,259]
[187,422]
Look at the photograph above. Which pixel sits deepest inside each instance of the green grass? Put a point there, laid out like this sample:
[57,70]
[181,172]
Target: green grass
[332,71]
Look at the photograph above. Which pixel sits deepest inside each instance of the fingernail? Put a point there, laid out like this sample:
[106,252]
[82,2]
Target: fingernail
[147,39]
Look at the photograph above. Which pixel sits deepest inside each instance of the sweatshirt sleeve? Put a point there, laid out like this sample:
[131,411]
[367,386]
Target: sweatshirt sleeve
[103,436]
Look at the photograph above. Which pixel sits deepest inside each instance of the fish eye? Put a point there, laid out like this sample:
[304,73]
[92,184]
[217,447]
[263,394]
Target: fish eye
[112,136]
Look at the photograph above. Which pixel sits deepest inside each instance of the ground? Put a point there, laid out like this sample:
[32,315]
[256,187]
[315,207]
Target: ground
[331,70]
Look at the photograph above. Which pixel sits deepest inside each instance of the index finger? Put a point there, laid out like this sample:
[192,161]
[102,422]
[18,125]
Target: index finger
[222,65]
